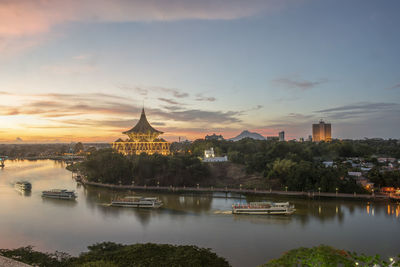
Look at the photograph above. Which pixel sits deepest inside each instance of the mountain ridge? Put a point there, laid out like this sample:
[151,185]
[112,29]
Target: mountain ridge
[247,134]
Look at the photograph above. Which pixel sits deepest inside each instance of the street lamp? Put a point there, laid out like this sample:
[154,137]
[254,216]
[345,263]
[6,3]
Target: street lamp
[319,190]
[133,183]
[198,186]
[286,188]
[240,186]
[337,190]
[158,183]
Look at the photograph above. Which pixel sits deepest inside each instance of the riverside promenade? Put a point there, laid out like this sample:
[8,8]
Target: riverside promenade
[226,190]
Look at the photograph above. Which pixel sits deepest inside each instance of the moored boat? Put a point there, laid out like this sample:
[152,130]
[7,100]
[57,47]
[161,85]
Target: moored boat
[264,208]
[23,186]
[137,202]
[60,194]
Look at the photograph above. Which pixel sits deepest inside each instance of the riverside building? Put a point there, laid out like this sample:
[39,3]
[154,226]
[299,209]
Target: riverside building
[143,138]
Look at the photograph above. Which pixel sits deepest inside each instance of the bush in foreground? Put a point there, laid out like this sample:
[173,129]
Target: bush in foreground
[325,256]
[109,254]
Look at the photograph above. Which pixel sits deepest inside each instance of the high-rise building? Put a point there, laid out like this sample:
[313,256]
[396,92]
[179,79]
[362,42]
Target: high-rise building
[321,132]
[282,136]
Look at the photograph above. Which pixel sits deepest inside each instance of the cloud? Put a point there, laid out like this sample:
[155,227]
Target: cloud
[28,17]
[362,106]
[298,84]
[174,92]
[61,107]
[361,111]
[146,90]
[196,115]
[169,101]
[200,97]
[396,86]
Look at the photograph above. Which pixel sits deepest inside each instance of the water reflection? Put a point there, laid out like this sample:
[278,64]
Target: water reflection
[195,204]
[184,219]
[60,202]
[25,193]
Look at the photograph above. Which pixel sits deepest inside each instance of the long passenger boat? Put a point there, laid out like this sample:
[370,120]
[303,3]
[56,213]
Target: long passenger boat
[137,202]
[60,194]
[264,208]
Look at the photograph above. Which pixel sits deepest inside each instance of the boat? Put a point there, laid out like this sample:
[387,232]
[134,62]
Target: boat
[264,208]
[60,194]
[23,186]
[137,202]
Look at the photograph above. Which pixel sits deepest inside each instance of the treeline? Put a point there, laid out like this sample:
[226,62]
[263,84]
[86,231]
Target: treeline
[294,166]
[387,178]
[17,151]
[298,165]
[247,150]
[107,166]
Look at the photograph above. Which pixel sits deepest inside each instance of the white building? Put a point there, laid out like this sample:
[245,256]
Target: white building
[328,163]
[209,156]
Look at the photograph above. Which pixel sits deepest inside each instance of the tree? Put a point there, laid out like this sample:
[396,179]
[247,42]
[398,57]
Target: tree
[78,148]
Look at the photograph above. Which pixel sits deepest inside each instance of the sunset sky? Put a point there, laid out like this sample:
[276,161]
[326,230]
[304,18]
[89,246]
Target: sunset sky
[81,70]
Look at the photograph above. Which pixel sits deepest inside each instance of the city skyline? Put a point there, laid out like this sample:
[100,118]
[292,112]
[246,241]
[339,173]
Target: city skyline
[81,72]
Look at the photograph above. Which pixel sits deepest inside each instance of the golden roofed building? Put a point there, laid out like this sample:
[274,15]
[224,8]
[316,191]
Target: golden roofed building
[143,138]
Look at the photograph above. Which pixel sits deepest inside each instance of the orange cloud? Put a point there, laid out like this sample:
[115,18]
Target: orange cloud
[27,17]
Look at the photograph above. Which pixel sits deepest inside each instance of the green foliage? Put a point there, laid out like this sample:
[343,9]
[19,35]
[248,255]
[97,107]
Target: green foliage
[107,166]
[100,263]
[78,147]
[150,255]
[298,165]
[325,256]
[109,254]
[390,178]
[29,256]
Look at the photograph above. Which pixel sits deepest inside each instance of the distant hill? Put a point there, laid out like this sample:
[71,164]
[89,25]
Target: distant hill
[247,134]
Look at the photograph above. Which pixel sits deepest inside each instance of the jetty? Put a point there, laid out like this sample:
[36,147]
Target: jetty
[226,190]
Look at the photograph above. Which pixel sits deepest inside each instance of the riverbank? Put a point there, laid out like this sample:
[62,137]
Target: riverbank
[255,191]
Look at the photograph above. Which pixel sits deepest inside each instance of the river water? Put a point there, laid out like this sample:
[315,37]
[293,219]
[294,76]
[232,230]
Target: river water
[201,220]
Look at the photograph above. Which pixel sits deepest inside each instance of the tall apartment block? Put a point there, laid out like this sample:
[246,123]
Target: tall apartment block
[321,132]
[281,136]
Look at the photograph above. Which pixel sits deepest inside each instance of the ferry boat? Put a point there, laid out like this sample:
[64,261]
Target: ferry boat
[59,193]
[137,202]
[264,208]
[23,186]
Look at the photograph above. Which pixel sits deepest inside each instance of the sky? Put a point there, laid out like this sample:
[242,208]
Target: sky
[83,70]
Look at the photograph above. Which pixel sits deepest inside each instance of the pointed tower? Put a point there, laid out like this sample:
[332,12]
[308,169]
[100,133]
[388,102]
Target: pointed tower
[142,139]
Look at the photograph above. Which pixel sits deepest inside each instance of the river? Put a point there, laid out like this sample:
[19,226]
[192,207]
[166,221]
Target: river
[202,220]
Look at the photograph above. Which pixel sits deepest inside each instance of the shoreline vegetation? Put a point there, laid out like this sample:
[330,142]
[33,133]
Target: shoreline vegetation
[253,164]
[109,254]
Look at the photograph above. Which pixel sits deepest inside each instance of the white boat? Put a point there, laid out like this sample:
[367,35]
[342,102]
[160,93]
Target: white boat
[23,186]
[59,193]
[137,202]
[264,208]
